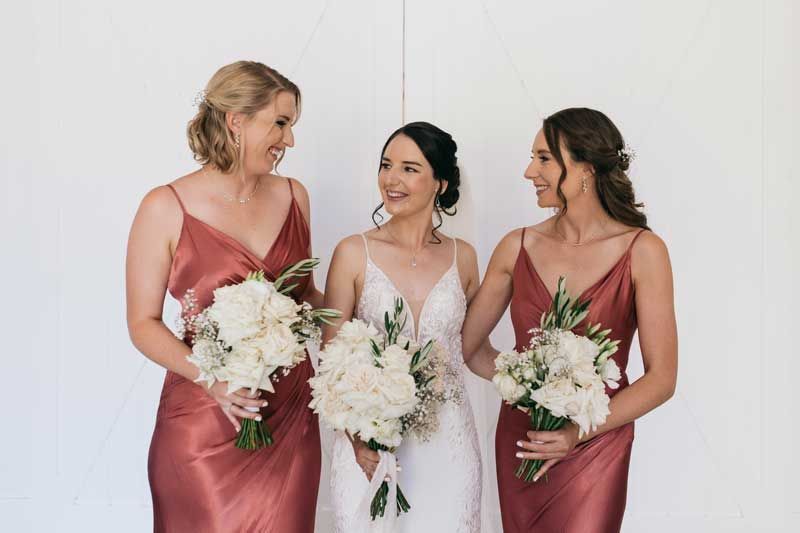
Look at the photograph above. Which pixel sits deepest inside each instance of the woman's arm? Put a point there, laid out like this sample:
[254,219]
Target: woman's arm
[658,336]
[147,271]
[148,264]
[341,286]
[488,305]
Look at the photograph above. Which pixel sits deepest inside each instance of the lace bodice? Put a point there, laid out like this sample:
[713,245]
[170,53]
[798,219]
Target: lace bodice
[440,318]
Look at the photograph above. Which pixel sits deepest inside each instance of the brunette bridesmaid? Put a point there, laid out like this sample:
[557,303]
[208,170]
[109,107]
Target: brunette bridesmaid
[202,231]
[599,240]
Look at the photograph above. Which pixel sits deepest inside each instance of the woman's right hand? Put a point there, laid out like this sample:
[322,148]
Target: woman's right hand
[234,404]
[366,458]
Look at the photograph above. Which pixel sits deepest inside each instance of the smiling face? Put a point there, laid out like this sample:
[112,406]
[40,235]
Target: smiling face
[544,171]
[266,134]
[406,179]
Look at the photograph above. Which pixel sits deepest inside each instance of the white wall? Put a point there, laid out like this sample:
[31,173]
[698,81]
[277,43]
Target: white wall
[97,96]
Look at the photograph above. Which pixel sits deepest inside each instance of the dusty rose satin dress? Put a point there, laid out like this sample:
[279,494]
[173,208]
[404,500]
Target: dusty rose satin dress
[199,480]
[586,491]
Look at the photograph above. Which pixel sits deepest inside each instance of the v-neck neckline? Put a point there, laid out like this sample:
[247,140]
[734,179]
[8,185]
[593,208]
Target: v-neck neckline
[590,289]
[415,321]
[236,241]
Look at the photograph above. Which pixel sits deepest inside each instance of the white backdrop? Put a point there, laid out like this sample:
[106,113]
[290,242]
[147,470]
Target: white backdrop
[97,95]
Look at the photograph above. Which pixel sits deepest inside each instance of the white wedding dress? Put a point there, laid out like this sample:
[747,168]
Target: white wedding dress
[441,478]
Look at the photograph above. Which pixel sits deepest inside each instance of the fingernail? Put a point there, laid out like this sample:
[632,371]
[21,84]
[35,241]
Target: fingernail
[535,478]
[238,429]
[519,443]
[264,404]
[519,454]
[258,418]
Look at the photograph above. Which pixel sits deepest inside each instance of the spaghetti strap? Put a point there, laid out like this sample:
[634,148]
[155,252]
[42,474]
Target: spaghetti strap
[183,208]
[455,251]
[630,246]
[291,187]
[366,246]
[522,239]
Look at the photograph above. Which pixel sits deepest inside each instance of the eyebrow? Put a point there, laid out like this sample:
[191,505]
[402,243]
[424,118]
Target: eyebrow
[284,116]
[540,151]
[384,158]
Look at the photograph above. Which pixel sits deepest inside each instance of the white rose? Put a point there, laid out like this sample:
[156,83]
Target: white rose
[386,432]
[358,388]
[237,310]
[329,405]
[610,374]
[399,393]
[281,308]
[357,332]
[557,396]
[280,346]
[592,408]
[508,387]
[242,371]
[577,348]
[396,358]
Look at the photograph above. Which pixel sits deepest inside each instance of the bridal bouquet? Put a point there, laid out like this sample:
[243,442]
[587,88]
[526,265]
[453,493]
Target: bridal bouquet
[380,388]
[251,330]
[561,376]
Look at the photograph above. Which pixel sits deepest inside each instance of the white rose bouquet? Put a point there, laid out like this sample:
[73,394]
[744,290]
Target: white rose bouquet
[561,376]
[250,331]
[379,389]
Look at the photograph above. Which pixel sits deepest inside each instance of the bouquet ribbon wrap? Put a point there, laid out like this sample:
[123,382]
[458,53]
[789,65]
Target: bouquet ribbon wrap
[385,471]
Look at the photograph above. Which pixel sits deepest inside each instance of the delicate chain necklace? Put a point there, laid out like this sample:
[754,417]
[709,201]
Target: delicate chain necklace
[413,253]
[587,241]
[229,198]
[243,201]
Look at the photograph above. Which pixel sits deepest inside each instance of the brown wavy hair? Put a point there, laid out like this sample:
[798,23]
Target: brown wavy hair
[241,87]
[591,137]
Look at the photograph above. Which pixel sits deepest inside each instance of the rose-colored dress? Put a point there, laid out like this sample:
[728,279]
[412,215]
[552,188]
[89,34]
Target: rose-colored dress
[199,480]
[586,491]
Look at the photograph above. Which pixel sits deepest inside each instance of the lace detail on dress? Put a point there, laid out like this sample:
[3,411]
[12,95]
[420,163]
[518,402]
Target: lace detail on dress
[442,476]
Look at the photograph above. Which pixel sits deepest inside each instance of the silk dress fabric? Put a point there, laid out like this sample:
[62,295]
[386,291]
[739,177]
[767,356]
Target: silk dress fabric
[586,491]
[199,480]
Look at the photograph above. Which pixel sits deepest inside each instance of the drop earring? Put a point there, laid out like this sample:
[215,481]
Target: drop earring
[584,185]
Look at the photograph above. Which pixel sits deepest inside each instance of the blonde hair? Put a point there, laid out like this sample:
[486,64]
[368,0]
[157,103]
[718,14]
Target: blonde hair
[242,87]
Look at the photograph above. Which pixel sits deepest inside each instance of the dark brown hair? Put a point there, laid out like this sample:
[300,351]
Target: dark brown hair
[591,137]
[439,149]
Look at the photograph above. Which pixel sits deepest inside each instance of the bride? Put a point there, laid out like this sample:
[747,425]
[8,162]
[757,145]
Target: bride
[436,276]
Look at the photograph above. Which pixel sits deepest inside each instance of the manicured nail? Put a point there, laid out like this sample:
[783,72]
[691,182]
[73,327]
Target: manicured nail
[535,478]
[519,443]
[258,418]
[519,454]
[264,404]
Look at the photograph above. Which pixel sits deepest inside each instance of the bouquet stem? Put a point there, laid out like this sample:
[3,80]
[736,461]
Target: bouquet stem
[378,505]
[541,420]
[254,435]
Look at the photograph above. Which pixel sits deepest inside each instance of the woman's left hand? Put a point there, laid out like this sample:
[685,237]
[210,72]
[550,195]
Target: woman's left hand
[549,446]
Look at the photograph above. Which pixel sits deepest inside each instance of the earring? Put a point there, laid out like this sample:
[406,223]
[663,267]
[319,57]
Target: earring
[584,185]
[236,140]
[437,203]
